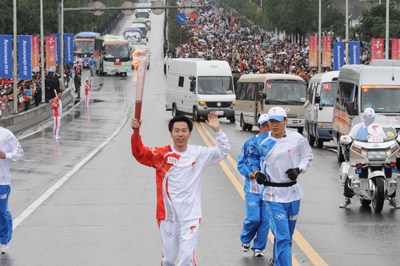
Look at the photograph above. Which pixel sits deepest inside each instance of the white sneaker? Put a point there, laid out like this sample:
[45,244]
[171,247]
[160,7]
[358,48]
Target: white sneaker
[393,203]
[346,202]
[57,138]
[245,247]
[4,248]
[258,253]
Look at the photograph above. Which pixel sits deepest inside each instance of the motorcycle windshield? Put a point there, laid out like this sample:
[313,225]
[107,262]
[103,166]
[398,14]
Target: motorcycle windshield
[373,128]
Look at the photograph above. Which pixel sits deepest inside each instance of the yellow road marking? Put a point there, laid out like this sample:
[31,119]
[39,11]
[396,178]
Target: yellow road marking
[298,238]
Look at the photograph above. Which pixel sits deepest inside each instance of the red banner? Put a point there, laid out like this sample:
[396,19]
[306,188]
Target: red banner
[396,49]
[35,54]
[51,53]
[313,51]
[327,51]
[376,48]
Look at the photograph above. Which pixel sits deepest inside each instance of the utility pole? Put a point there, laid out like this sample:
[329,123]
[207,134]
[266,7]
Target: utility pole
[61,41]
[15,59]
[42,53]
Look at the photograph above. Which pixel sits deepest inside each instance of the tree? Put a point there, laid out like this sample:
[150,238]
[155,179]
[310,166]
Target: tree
[373,23]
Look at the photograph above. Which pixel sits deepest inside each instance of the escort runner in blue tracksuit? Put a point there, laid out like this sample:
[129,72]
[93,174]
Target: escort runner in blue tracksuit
[256,223]
[274,159]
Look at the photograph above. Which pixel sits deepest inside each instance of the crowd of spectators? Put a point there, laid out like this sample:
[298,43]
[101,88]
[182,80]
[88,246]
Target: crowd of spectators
[29,92]
[219,35]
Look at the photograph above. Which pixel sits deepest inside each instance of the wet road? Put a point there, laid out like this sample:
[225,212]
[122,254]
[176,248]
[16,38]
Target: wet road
[84,200]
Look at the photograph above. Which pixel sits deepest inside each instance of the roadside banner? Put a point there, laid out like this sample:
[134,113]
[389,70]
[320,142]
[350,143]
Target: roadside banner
[69,48]
[326,51]
[396,49]
[354,53]
[58,56]
[313,51]
[376,48]
[24,57]
[35,54]
[338,55]
[6,56]
[51,53]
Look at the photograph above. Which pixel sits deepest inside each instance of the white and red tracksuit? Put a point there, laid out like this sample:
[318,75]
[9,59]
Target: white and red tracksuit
[87,88]
[57,112]
[179,177]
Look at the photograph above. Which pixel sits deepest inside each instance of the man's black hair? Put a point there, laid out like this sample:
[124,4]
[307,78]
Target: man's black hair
[180,118]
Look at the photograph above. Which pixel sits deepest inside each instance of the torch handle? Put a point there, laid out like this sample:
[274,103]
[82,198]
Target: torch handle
[138,111]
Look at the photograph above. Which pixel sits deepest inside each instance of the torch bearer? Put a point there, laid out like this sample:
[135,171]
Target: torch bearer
[139,92]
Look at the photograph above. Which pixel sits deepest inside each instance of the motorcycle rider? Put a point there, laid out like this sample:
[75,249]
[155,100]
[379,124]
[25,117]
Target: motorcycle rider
[360,132]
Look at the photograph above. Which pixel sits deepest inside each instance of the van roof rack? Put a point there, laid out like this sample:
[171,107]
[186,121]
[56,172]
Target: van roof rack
[384,62]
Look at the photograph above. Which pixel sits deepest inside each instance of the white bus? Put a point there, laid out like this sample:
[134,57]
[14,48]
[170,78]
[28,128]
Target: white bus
[321,93]
[112,55]
[257,93]
[198,87]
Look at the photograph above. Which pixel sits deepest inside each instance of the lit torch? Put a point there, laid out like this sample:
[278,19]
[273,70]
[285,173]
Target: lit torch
[139,92]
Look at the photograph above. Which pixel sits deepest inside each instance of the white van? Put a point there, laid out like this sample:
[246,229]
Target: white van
[376,85]
[198,87]
[321,93]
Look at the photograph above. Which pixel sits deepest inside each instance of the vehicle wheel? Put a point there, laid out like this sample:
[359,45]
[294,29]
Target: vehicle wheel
[339,153]
[243,125]
[300,130]
[310,138]
[365,202]
[175,111]
[320,142]
[379,194]
[232,119]
[97,72]
[195,115]
[249,127]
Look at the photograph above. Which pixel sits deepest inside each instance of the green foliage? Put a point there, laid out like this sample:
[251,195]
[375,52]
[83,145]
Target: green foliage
[28,16]
[373,24]
[174,33]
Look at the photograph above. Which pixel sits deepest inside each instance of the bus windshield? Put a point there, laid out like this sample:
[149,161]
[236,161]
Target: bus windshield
[383,99]
[215,85]
[327,93]
[285,92]
[116,50]
[84,46]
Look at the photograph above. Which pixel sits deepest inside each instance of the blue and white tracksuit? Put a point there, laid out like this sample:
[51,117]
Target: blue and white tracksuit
[274,156]
[256,223]
[13,150]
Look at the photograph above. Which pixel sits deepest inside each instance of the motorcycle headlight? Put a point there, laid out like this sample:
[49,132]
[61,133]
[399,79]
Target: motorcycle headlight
[359,150]
[377,155]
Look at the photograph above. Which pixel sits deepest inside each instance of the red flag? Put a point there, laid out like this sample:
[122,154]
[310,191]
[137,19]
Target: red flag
[194,16]
[241,64]
[196,27]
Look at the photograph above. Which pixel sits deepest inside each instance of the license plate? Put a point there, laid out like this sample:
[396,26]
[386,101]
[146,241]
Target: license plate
[219,112]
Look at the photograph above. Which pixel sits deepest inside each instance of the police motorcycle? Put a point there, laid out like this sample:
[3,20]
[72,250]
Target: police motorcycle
[370,163]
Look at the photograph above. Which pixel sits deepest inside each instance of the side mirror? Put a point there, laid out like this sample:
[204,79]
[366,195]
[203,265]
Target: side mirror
[192,85]
[350,108]
[317,99]
[345,139]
